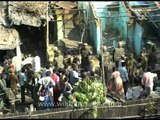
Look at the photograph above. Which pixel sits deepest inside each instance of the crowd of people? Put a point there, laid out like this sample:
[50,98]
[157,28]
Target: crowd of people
[59,77]
[130,70]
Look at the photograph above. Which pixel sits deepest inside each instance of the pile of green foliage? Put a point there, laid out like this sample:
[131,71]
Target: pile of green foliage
[89,93]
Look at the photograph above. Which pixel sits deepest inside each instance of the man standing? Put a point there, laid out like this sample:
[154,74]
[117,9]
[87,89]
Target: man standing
[56,89]
[118,52]
[2,83]
[144,58]
[2,87]
[13,78]
[115,85]
[74,75]
[124,75]
[47,83]
[147,82]
[152,58]
[85,57]
[107,60]
[131,62]
[22,81]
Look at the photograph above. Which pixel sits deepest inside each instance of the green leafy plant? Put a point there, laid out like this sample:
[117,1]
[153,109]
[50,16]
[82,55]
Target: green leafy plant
[89,92]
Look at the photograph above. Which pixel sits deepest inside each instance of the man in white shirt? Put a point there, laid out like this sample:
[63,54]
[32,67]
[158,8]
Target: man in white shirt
[147,82]
[48,83]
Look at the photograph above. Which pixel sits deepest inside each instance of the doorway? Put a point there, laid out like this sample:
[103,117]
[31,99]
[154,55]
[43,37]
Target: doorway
[33,39]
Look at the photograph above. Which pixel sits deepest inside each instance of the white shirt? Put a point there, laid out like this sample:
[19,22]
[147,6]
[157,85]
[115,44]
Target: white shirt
[148,78]
[46,81]
[36,64]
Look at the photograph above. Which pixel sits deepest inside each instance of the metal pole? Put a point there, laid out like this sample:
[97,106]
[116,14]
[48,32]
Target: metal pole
[47,36]
[82,35]
[152,22]
[102,63]
[83,27]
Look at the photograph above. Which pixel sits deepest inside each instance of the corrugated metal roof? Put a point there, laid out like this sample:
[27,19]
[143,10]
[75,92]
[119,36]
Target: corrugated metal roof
[144,10]
[155,15]
[138,2]
[66,5]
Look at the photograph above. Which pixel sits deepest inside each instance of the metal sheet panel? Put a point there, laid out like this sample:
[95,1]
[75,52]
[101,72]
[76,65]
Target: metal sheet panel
[138,2]
[155,15]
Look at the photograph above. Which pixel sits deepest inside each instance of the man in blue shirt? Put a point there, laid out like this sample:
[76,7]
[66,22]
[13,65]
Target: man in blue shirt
[74,75]
[22,81]
[124,75]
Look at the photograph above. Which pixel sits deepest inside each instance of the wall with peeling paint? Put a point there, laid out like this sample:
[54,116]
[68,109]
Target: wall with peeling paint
[94,29]
[122,23]
[140,31]
[97,16]
[99,11]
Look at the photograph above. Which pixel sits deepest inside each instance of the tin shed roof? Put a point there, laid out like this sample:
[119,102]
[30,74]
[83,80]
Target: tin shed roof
[66,4]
